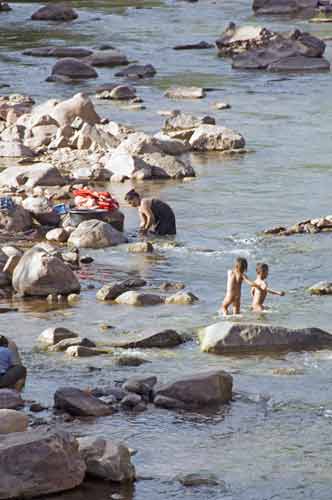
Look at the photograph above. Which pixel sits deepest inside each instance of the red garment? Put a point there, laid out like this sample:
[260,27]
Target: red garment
[103,200]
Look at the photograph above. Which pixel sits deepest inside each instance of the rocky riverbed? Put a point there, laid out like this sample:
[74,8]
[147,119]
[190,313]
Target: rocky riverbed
[112,333]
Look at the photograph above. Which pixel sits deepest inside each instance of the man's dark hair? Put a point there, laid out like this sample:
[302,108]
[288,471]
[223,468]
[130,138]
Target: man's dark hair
[3,341]
[132,194]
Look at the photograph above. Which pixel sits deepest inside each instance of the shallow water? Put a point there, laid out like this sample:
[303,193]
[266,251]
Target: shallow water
[273,447]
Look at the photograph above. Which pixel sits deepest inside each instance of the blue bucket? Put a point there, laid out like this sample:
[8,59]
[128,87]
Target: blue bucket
[60,209]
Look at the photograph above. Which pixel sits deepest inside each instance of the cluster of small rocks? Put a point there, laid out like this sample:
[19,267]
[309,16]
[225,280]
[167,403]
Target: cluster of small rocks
[311,226]
[254,47]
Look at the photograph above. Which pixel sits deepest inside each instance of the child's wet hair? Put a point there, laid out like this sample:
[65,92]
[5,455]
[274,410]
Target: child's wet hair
[3,341]
[261,267]
[241,264]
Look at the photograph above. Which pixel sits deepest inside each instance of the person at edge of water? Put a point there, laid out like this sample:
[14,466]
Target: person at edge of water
[235,277]
[12,372]
[155,215]
[259,293]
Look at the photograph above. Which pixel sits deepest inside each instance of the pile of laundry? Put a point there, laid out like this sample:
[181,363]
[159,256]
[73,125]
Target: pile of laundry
[92,200]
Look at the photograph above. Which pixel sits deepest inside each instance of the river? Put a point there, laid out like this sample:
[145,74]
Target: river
[273,441]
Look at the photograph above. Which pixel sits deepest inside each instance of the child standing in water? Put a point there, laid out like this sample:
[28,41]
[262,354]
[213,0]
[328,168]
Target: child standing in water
[235,277]
[260,292]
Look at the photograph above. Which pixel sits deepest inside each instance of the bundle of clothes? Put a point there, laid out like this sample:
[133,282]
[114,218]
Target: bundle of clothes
[87,199]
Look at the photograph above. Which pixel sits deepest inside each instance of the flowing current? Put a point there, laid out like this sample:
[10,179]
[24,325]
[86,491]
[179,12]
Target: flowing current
[274,440]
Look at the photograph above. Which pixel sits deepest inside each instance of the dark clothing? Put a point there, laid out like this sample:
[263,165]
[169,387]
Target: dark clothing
[13,375]
[164,218]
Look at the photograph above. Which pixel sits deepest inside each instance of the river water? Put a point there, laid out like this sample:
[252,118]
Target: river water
[273,441]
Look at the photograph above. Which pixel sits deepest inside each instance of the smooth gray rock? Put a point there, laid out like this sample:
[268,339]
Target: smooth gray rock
[74,69]
[141,385]
[161,339]
[55,12]
[95,234]
[282,7]
[198,390]
[80,403]
[232,338]
[53,336]
[133,298]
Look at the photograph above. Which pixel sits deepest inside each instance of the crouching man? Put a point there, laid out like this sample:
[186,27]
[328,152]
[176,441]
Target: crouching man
[12,372]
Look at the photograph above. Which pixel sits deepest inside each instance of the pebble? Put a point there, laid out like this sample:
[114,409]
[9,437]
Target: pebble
[222,105]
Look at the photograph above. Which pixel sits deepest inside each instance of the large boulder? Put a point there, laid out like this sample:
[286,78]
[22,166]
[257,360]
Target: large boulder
[161,339]
[13,421]
[95,234]
[38,463]
[40,273]
[216,138]
[54,12]
[195,391]
[15,219]
[224,338]
[107,460]
[124,165]
[74,69]
[280,7]
[30,176]
[80,403]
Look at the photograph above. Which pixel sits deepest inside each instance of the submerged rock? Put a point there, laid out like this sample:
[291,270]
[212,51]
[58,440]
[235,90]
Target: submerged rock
[281,7]
[141,385]
[61,52]
[74,69]
[182,298]
[64,344]
[198,479]
[55,12]
[224,338]
[106,459]
[161,339]
[195,391]
[118,92]
[80,403]
[108,58]
[48,462]
[185,93]
[137,71]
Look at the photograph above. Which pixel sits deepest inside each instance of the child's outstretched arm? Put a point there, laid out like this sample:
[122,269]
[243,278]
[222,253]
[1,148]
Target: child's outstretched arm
[275,292]
[251,283]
